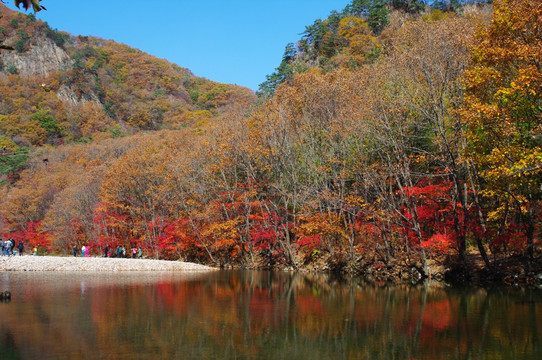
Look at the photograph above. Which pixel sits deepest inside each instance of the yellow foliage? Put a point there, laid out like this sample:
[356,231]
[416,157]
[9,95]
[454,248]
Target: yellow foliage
[6,143]
[351,26]
[198,115]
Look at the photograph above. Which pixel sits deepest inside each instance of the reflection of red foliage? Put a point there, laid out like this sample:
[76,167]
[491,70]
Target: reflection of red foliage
[175,296]
[437,316]
[309,305]
[262,308]
[167,294]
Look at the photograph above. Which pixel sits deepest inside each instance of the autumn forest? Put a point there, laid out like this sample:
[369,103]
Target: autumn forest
[395,136]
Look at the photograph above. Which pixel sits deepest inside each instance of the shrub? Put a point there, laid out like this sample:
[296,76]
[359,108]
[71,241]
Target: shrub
[12,69]
[116,131]
[159,92]
[30,19]
[21,43]
[47,122]
[14,23]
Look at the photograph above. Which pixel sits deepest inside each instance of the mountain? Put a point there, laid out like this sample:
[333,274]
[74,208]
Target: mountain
[56,88]
[395,136]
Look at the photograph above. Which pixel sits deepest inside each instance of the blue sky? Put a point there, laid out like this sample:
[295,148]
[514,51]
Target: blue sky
[229,41]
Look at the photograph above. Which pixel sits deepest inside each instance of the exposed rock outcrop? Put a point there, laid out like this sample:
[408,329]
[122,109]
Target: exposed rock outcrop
[42,58]
[66,94]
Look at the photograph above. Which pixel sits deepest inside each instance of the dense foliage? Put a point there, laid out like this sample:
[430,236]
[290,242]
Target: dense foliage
[403,158]
[354,36]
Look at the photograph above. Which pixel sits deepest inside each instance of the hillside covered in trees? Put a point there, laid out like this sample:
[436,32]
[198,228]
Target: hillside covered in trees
[393,136]
[57,88]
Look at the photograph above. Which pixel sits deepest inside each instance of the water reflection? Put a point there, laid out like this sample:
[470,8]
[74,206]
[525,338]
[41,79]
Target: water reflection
[258,315]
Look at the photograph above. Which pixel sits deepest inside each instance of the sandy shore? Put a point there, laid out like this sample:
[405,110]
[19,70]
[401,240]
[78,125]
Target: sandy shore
[60,263]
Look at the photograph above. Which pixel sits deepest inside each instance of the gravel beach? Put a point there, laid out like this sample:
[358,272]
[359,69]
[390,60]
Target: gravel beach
[60,263]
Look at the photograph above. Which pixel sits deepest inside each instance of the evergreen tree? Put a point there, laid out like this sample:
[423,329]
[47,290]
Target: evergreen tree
[378,16]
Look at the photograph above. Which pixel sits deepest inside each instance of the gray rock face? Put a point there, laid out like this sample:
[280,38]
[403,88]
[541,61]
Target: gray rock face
[67,95]
[43,57]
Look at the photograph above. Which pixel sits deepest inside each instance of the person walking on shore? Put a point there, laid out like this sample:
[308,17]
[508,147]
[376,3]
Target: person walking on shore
[140,253]
[83,249]
[7,247]
[21,248]
[74,250]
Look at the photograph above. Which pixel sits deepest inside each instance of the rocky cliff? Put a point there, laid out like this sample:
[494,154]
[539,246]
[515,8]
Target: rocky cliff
[43,57]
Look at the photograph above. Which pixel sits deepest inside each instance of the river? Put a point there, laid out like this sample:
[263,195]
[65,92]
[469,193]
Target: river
[260,315]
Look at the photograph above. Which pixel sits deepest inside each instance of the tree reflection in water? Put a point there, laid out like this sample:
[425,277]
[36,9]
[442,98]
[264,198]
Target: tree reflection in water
[258,315]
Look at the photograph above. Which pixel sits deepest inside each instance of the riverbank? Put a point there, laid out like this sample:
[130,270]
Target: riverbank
[509,273]
[512,270]
[66,263]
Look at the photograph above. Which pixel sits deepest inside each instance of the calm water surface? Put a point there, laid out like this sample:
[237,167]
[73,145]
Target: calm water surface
[259,315]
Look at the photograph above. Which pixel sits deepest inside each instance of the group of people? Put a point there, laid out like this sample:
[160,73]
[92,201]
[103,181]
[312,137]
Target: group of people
[84,251]
[8,246]
[120,252]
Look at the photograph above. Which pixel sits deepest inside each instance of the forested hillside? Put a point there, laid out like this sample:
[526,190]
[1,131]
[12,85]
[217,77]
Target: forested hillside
[393,136]
[56,88]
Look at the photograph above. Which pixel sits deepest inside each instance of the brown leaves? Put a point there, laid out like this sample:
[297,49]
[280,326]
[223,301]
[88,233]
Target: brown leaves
[27,3]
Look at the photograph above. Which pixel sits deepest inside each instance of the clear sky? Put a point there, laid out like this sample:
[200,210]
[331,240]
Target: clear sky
[229,41]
